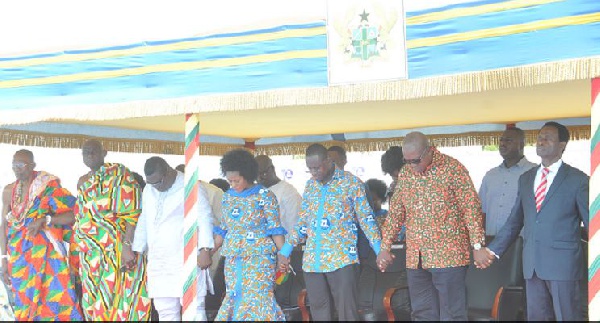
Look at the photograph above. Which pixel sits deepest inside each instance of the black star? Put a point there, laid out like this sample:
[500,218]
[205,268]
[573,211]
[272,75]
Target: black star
[364,16]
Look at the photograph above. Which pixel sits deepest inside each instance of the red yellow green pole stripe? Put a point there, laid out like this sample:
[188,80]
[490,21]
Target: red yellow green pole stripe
[190,223]
[594,229]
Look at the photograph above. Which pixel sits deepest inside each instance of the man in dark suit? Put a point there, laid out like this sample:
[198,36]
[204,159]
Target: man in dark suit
[551,205]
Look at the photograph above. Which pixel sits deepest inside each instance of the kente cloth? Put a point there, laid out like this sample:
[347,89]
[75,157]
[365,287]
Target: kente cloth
[41,281]
[106,202]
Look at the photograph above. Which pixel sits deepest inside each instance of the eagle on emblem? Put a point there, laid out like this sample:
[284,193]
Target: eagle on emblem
[365,33]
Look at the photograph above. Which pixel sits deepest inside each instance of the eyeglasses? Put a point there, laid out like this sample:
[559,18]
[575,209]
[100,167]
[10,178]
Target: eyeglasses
[418,160]
[159,183]
[20,165]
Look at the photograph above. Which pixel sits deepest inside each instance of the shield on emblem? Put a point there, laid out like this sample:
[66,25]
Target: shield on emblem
[303,229]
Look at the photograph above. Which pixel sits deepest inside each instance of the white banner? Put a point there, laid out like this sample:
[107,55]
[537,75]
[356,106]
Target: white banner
[366,40]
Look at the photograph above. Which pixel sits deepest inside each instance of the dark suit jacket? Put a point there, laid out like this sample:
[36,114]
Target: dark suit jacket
[551,238]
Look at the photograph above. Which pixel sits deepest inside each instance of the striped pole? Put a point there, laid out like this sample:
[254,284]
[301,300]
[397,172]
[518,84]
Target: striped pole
[594,232]
[190,226]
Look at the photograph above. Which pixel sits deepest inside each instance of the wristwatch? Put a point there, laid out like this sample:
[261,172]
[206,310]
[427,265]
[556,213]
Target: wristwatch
[48,220]
[206,249]
[477,246]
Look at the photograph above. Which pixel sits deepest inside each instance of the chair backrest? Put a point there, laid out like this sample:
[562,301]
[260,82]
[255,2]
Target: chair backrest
[482,285]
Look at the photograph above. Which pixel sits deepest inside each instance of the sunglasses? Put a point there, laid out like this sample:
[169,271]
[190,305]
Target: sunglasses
[20,165]
[417,160]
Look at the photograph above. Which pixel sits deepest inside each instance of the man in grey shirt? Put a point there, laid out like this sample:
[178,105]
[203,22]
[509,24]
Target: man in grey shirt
[499,187]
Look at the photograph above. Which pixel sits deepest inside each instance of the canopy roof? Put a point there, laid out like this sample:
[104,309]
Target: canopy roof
[254,77]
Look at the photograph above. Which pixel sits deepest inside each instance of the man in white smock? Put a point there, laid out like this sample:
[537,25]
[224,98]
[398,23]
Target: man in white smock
[160,232]
[287,196]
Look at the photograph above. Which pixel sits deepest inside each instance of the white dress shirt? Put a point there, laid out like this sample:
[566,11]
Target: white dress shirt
[553,169]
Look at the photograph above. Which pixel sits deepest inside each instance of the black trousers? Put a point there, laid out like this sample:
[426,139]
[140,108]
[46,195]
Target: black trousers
[438,294]
[341,285]
[553,300]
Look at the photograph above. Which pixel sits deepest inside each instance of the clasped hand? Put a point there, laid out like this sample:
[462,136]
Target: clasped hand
[483,258]
[283,263]
[204,259]
[128,258]
[384,259]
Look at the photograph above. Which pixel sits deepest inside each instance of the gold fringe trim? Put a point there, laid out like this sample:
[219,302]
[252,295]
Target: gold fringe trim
[23,138]
[480,81]
[441,140]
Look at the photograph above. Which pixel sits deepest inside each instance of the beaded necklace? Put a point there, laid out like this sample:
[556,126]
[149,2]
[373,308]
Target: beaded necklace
[18,201]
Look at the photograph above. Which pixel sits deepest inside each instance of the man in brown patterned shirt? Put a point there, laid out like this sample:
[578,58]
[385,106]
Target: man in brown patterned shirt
[436,200]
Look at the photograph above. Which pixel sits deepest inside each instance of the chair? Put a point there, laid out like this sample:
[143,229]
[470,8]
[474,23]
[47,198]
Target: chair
[497,293]
[288,294]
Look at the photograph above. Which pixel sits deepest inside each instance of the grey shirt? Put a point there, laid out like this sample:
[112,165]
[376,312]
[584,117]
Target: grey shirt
[498,193]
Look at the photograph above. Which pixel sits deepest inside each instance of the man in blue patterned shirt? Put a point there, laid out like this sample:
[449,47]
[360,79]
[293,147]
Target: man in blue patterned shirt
[334,205]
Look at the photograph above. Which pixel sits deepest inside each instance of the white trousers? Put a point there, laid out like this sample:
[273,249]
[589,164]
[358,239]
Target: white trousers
[169,308]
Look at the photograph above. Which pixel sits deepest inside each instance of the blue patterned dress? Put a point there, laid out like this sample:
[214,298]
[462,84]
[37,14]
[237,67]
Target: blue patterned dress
[250,218]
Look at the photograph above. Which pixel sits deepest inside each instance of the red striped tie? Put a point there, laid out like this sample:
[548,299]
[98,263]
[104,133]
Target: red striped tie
[540,192]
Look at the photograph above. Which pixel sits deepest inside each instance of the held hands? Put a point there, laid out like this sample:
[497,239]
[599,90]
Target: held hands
[127,258]
[483,258]
[283,263]
[204,258]
[384,259]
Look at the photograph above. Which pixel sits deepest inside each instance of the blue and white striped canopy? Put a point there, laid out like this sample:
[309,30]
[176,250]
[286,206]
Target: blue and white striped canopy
[253,77]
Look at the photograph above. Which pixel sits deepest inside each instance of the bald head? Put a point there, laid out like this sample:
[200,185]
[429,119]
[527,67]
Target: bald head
[23,164]
[417,152]
[415,141]
[263,161]
[93,154]
[266,171]
[92,143]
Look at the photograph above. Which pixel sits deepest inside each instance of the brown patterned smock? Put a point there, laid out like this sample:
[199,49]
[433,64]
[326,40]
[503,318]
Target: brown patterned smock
[441,211]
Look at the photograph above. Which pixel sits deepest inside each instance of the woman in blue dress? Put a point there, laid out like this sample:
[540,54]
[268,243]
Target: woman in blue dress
[250,235]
